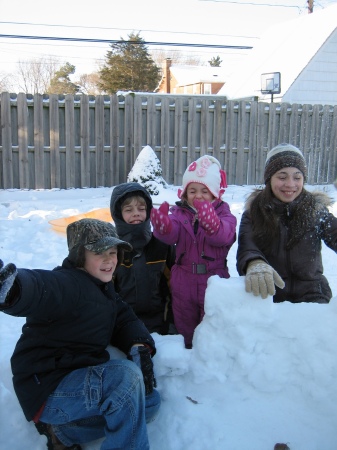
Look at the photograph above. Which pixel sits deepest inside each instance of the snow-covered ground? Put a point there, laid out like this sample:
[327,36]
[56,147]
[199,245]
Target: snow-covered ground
[259,373]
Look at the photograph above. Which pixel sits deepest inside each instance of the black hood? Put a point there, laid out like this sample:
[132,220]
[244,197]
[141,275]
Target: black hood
[124,190]
[141,233]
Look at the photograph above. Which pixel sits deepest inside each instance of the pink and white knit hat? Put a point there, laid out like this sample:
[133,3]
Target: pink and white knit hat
[207,171]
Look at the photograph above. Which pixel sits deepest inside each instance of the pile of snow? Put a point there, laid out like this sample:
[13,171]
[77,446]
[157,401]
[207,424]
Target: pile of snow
[147,171]
[259,373]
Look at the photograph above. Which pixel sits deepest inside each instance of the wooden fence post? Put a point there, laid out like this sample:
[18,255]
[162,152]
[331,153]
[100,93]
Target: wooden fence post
[7,157]
[39,159]
[55,163]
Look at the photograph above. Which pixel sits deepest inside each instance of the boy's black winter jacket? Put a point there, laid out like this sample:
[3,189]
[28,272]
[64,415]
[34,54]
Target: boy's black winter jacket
[142,277]
[71,318]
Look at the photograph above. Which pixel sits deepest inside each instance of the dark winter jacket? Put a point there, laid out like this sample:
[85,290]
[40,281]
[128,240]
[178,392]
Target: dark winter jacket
[295,251]
[142,277]
[71,319]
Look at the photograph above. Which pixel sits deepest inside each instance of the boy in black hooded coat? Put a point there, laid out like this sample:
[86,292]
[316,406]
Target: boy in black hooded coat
[142,278]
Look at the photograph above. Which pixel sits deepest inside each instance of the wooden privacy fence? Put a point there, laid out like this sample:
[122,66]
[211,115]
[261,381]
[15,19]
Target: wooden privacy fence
[82,141]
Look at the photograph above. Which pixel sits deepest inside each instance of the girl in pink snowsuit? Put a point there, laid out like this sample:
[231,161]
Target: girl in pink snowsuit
[203,229]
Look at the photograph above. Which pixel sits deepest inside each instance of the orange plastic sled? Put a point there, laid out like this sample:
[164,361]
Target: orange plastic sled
[60,225]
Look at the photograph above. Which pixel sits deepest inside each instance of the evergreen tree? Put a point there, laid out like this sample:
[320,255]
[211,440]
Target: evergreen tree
[215,61]
[129,67]
[60,83]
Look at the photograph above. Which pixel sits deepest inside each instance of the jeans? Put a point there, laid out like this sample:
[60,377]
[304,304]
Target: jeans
[105,400]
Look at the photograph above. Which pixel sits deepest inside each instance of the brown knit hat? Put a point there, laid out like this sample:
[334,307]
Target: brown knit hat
[284,155]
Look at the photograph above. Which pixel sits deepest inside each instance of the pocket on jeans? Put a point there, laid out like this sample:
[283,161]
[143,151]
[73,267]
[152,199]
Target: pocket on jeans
[93,386]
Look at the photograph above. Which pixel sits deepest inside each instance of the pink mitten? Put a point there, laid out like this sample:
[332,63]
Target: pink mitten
[207,216]
[160,219]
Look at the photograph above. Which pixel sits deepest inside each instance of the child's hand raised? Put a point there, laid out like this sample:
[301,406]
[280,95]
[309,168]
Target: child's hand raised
[160,219]
[207,216]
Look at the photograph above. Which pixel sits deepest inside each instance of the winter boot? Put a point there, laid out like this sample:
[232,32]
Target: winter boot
[53,443]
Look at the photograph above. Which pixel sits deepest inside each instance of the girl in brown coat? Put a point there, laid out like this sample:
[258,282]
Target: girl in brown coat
[281,233]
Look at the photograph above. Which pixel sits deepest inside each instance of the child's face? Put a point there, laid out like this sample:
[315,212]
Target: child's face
[287,184]
[134,211]
[101,265]
[198,191]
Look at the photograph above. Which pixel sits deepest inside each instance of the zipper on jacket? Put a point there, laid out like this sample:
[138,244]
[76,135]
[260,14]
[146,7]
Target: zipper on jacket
[180,258]
[208,258]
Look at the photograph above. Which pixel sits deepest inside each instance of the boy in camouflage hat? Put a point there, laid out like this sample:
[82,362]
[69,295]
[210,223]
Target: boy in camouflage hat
[63,376]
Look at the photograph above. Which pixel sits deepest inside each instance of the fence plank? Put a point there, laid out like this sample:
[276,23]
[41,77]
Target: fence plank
[85,148]
[165,137]
[314,145]
[323,143]
[332,174]
[251,149]
[178,155]
[261,141]
[217,153]
[128,134]
[7,157]
[55,163]
[191,131]
[306,120]
[70,142]
[204,123]
[138,126]
[151,122]
[99,144]
[240,157]
[231,131]
[23,141]
[39,159]
[114,138]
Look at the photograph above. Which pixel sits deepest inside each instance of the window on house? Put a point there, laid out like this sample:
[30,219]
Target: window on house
[207,88]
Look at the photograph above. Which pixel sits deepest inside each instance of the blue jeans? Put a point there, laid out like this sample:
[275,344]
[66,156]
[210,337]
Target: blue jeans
[105,400]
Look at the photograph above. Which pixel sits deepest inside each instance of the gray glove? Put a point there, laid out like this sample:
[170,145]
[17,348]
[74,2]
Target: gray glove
[261,278]
[7,277]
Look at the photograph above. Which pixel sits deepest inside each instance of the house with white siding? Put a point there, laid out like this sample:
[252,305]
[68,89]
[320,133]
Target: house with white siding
[304,54]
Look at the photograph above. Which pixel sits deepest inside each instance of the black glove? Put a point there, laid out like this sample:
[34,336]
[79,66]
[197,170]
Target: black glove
[142,357]
[7,277]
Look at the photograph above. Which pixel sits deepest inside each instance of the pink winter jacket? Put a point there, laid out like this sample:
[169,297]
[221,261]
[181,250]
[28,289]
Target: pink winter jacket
[196,251]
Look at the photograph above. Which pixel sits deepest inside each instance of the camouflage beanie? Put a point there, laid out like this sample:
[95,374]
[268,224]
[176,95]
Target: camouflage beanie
[94,235]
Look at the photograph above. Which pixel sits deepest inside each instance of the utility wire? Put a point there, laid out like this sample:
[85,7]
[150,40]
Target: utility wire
[112,41]
[125,29]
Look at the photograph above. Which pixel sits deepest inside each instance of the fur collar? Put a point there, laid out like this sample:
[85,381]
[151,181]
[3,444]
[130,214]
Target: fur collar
[322,200]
